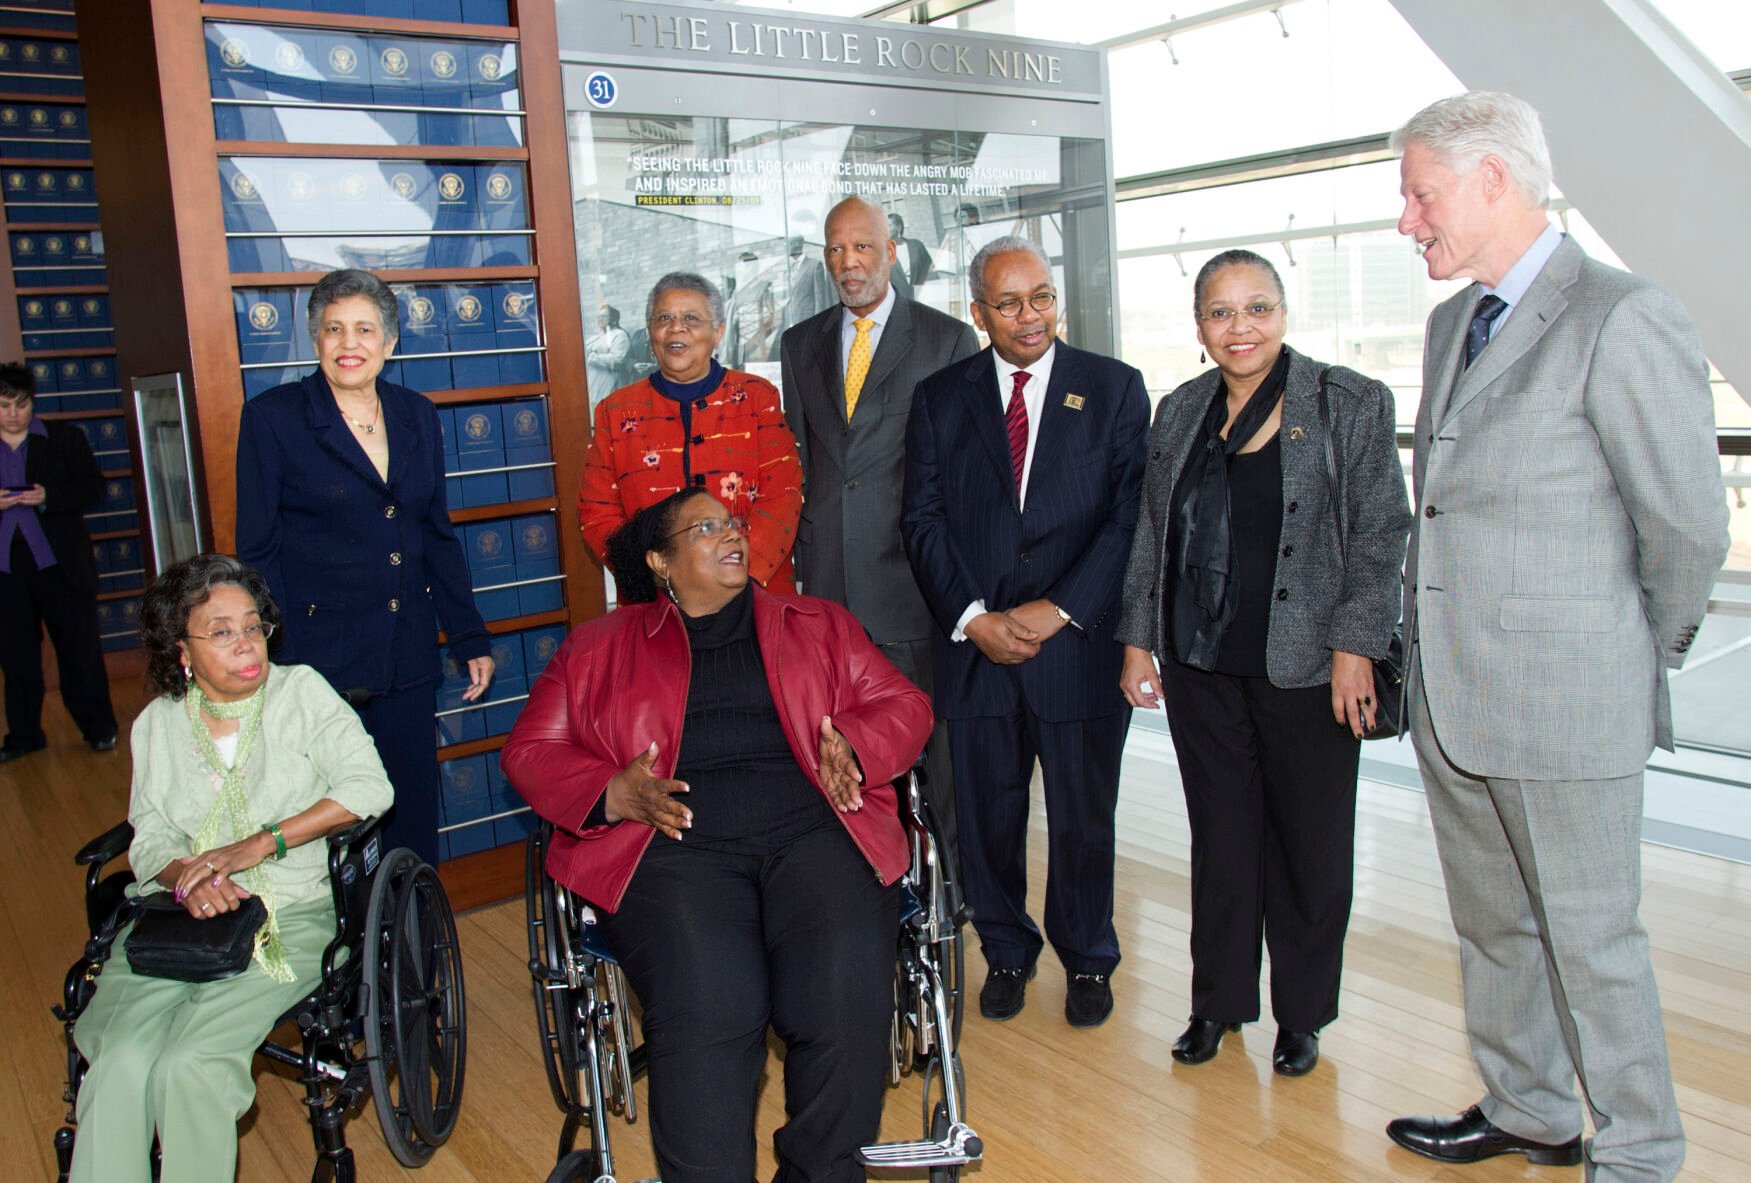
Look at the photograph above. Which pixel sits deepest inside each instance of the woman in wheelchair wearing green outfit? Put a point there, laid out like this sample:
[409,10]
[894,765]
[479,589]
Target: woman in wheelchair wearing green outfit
[716,764]
[241,768]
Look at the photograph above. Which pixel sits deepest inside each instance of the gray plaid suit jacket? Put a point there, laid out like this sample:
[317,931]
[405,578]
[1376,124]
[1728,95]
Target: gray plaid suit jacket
[1570,519]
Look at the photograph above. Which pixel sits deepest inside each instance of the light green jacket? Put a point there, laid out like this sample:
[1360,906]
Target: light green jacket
[311,746]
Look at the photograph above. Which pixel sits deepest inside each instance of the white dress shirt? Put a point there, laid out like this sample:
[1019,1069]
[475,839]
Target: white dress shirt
[848,328]
[1519,278]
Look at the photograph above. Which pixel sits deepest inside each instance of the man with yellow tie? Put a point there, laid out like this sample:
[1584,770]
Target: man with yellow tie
[848,376]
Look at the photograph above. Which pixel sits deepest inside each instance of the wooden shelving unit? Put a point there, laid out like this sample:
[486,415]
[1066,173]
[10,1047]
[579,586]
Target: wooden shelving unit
[168,259]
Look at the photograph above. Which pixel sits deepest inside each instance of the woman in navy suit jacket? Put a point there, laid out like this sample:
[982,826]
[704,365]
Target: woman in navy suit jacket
[340,504]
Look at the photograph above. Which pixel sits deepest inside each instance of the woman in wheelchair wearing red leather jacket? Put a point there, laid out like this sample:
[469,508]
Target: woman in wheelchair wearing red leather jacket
[240,768]
[716,763]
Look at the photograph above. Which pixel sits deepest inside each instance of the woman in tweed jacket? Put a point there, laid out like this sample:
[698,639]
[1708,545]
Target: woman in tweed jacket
[1265,629]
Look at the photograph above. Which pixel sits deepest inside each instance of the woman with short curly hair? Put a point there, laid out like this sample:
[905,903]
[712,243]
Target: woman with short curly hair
[241,770]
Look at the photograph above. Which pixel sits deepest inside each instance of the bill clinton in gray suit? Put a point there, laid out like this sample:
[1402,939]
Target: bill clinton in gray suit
[848,546]
[1570,522]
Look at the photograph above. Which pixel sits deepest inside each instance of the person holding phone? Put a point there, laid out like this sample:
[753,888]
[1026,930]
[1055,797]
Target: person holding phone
[48,479]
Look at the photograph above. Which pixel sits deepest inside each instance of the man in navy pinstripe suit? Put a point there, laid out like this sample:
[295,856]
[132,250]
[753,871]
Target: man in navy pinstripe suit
[1023,468]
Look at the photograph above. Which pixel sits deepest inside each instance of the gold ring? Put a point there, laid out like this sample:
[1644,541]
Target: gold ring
[209,864]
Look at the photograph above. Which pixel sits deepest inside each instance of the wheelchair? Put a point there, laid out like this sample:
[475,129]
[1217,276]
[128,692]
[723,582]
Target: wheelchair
[387,1019]
[591,1059]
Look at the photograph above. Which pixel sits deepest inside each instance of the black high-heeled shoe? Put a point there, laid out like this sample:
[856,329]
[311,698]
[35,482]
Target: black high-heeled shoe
[1201,1040]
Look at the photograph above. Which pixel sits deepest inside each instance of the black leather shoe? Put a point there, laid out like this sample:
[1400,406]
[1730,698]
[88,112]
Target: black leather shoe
[1088,1001]
[1005,992]
[12,751]
[106,744]
[1200,1040]
[1470,1137]
[1296,1052]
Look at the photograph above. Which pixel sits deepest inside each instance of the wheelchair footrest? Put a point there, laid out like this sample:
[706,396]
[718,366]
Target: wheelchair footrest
[960,1147]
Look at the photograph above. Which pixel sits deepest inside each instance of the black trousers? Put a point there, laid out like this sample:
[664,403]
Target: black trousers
[1079,764]
[913,659]
[1270,784]
[29,599]
[720,946]
[400,722]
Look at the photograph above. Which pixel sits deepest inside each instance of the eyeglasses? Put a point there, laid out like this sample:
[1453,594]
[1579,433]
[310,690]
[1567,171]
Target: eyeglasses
[712,527]
[1011,308]
[1257,310]
[691,321]
[252,633]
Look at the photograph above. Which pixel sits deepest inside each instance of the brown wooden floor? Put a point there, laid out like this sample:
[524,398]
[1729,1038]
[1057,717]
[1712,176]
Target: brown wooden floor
[1051,1103]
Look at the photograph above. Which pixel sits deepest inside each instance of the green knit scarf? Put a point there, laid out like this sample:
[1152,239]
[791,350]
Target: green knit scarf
[231,810]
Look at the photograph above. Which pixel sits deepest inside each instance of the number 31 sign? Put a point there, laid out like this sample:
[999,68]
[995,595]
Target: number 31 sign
[601,89]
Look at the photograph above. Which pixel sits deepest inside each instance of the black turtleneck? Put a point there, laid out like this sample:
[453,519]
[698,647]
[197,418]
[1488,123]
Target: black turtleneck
[748,795]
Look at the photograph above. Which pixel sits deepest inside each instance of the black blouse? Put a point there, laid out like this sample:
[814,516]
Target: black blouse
[747,793]
[1255,505]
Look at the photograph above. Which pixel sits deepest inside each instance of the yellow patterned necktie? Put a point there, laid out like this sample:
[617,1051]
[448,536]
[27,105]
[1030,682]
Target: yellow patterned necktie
[857,365]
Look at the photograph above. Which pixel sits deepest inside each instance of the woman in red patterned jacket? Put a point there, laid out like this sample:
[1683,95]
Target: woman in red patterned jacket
[693,424]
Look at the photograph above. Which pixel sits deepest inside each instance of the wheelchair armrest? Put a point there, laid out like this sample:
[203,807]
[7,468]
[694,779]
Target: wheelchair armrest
[112,843]
[350,833]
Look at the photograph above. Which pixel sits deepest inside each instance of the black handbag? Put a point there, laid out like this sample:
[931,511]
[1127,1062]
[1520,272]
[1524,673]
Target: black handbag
[1389,667]
[169,943]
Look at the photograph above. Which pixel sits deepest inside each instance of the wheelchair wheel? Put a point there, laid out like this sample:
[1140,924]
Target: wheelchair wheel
[580,1166]
[938,1131]
[555,1003]
[936,1118]
[415,1012]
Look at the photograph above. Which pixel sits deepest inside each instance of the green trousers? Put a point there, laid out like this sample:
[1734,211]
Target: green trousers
[175,1057]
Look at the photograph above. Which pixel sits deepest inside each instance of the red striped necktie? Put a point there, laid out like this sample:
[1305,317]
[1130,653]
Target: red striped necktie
[1015,419]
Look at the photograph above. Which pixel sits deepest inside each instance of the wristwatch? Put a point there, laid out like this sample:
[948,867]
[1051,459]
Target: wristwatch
[1062,615]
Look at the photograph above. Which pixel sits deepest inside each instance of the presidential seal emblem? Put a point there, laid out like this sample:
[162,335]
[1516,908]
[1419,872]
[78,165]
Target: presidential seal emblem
[263,315]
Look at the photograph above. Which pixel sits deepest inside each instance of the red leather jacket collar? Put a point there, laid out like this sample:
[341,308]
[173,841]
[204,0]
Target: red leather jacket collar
[620,682]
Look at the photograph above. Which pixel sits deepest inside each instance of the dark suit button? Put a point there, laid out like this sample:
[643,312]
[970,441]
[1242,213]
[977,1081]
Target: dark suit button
[1024,556]
[395,559]
[1155,455]
[395,605]
[1430,512]
[1287,551]
[851,484]
[1282,593]
[1431,437]
[1290,508]
[388,511]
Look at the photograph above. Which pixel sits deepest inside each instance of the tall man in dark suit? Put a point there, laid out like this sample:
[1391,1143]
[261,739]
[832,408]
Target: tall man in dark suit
[1023,469]
[1570,523]
[849,373]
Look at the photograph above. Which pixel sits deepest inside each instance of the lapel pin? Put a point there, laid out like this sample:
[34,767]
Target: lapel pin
[1296,433]
[1073,401]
